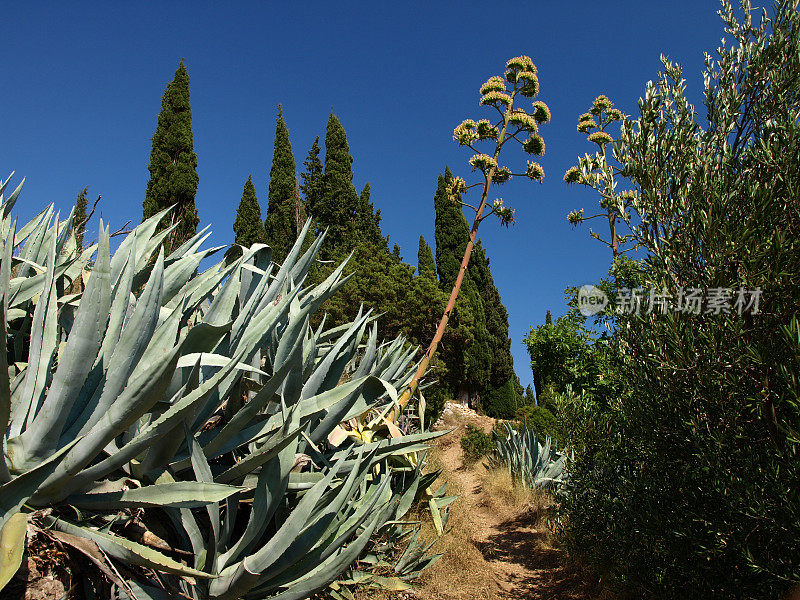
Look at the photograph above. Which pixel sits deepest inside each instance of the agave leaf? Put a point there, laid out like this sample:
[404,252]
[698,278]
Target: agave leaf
[245,414]
[34,240]
[126,550]
[329,370]
[209,359]
[40,356]
[138,237]
[237,579]
[180,494]
[131,347]
[15,493]
[178,273]
[330,569]
[258,457]
[83,344]
[5,383]
[273,480]
[12,546]
[165,423]
[314,534]
[27,229]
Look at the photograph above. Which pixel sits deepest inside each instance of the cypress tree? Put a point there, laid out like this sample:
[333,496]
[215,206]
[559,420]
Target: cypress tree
[312,178]
[248,226]
[504,398]
[336,208]
[470,360]
[368,220]
[283,204]
[173,162]
[79,219]
[426,266]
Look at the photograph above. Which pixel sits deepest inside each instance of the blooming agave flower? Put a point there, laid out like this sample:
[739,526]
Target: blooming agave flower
[523,119]
[495,97]
[482,161]
[600,104]
[501,175]
[494,84]
[534,144]
[572,175]
[464,134]
[535,171]
[600,137]
[541,112]
[486,129]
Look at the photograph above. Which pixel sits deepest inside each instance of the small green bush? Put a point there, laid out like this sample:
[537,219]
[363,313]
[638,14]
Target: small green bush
[541,421]
[475,443]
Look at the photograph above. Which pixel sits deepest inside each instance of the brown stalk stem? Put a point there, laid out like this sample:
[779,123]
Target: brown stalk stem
[412,388]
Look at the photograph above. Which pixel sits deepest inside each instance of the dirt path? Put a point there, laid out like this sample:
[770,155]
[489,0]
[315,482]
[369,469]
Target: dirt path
[516,559]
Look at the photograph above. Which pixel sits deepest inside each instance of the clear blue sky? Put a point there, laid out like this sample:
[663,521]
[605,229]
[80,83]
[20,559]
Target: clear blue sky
[82,85]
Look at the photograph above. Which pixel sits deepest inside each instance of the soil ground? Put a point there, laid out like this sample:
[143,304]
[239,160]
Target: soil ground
[499,545]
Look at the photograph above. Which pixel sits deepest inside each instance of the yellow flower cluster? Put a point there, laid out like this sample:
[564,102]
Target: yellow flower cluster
[531,86]
[521,63]
[495,97]
[495,84]
[523,119]
[464,134]
[535,171]
[541,112]
[586,126]
[482,161]
[501,175]
[614,114]
[585,117]
[572,175]
[457,187]
[575,217]
[600,137]
[486,129]
[600,104]
[534,145]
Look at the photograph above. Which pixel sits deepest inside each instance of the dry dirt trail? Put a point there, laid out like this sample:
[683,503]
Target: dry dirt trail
[498,549]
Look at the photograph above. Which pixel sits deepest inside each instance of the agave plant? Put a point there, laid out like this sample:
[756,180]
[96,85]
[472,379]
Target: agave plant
[199,407]
[529,462]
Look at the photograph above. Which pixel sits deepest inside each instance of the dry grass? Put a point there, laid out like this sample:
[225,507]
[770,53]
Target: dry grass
[462,573]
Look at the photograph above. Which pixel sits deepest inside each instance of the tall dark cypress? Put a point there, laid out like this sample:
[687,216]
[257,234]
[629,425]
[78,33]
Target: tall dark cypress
[501,399]
[283,204]
[248,226]
[368,220]
[79,219]
[336,209]
[426,266]
[173,162]
[471,362]
[312,178]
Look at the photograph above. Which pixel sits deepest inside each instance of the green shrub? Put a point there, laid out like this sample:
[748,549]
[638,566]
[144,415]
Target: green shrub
[541,421]
[475,443]
[686,484]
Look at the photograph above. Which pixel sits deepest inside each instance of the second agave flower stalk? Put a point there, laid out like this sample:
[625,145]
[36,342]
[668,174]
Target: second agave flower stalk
[513,122]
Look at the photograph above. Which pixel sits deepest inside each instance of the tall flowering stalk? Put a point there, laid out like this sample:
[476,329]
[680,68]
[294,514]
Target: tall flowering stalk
[513,123]
[597,172]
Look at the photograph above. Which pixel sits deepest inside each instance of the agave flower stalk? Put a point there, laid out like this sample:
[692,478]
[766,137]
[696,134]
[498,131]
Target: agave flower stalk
[598,173]
[513,123]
